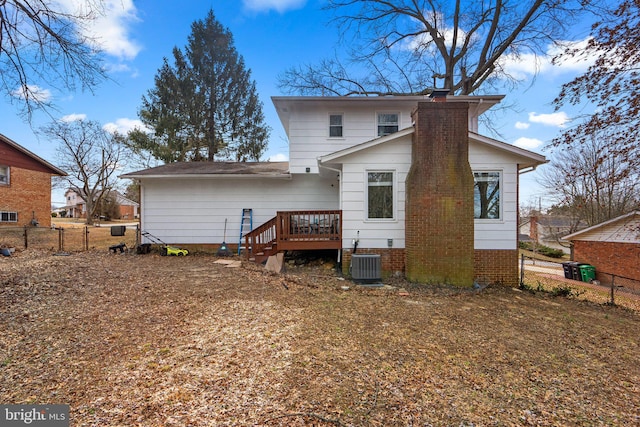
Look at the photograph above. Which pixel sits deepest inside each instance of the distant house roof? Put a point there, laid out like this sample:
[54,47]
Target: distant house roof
[625,228]
[214,169]
[46,165]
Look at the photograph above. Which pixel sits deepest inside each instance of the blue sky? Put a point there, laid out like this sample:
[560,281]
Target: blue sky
[272,36]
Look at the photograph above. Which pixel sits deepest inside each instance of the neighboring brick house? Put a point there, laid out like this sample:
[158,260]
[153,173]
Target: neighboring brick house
[76,206]
[25,186]
[613,248]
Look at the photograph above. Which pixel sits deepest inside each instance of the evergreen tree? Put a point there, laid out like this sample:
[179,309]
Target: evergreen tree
[205,106]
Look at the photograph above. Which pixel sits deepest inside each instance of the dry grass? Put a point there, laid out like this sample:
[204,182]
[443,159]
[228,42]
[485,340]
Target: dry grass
[166,341]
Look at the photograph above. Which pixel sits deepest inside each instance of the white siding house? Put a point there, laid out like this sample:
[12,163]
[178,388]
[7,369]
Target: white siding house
[340,149]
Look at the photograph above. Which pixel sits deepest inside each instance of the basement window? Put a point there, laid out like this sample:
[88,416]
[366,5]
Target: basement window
[4,175]
[486,195]
[8,216]
[380,195]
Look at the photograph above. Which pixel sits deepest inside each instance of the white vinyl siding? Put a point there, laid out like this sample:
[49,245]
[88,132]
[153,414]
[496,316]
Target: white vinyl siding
[497,233]
[200,206]
[374,233]
[309,135]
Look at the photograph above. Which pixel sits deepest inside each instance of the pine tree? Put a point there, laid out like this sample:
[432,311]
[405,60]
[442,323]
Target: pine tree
[204,106]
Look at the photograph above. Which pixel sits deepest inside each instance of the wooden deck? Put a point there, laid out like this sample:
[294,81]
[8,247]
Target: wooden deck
[295,231]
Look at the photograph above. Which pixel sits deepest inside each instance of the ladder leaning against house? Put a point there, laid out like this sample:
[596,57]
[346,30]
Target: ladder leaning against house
[246,225]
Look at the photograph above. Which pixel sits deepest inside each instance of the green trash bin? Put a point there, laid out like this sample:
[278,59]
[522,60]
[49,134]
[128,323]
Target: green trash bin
[587,272]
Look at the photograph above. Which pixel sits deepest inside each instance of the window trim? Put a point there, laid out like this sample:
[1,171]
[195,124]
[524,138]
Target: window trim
[394,189]
[9,214]
[500,173]
[341,125]
[7,182]
[378,114]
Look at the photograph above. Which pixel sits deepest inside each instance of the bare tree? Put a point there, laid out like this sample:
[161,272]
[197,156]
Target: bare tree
[590,183]
[91,156]
[42,45]
[406,46]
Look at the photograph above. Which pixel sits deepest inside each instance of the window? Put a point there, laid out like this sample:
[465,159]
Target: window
[380,195]
[387,123]
[335,126]
[8,216]
[4,175]
[486,195]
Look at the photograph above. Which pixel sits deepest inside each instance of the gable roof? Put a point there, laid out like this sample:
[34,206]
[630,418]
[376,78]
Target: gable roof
[214,169]
[625,228]
[33,160]
[527,159]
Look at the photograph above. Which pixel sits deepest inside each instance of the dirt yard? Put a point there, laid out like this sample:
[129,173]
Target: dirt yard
[145,340]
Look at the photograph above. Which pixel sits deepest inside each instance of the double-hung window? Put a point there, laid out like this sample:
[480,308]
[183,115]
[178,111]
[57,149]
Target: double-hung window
[335,125]
[486,195]
[4,175]
[379,195]
[388,123]
[8,216]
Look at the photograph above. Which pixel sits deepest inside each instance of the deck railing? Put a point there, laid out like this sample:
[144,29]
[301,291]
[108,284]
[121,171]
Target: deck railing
[297,230]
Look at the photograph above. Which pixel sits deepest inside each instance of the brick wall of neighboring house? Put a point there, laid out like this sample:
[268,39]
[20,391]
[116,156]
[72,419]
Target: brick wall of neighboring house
[127,212]
[498,266]
[29,194]
[621,259]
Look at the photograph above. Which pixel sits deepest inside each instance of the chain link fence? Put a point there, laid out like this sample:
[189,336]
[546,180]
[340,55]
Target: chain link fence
[558,278]
[64,239]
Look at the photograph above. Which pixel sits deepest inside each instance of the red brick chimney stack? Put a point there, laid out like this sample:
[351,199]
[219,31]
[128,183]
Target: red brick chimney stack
[439,202]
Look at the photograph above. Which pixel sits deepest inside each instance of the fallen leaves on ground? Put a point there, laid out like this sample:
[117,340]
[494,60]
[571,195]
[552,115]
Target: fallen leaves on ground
[147,340]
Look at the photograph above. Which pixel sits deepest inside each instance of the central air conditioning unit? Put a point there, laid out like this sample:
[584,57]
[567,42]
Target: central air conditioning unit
[366,269]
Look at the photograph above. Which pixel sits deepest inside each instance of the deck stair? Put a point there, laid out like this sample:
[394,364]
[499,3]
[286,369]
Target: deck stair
[295,231]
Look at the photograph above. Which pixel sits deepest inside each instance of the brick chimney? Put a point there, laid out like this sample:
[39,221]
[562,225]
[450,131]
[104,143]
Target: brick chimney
[439,201]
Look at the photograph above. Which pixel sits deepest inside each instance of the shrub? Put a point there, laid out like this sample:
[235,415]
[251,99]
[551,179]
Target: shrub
[542,250]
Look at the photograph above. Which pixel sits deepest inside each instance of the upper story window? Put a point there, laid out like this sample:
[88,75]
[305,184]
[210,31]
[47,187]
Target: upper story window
[380,195]
[4,175]
[335,125]
[486,195]
[8,216]
[388,123]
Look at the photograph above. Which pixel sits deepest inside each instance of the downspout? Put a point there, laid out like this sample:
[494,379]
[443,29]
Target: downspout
[339,172]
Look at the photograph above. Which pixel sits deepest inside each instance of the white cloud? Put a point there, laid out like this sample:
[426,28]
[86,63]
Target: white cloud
[528,143]
[522,125]
[278,5]
[124,125]
[110,29]
[558,119]
[528,64]
[280,157]
[32,93]
[73,118]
